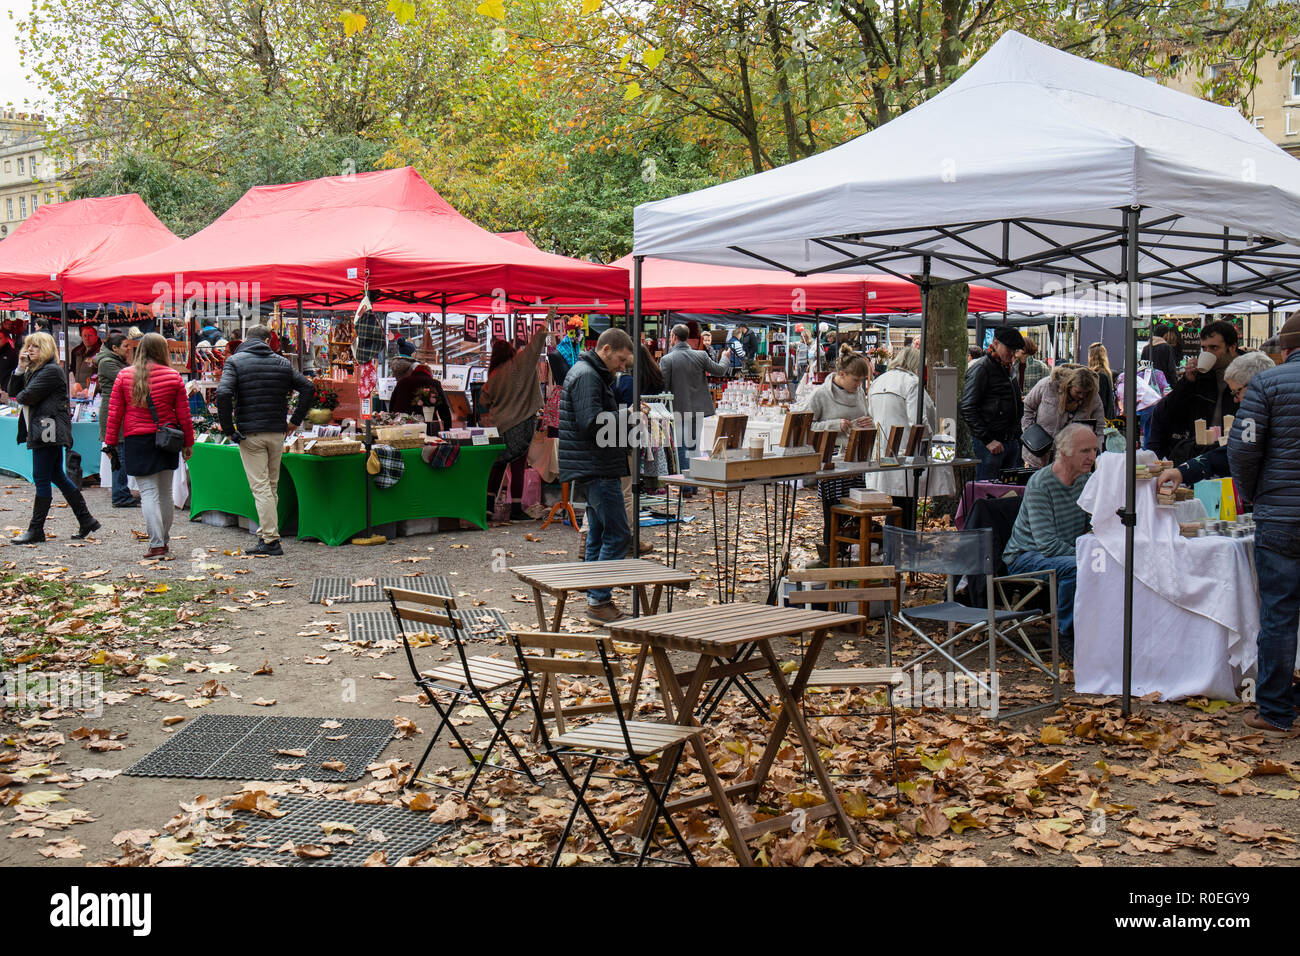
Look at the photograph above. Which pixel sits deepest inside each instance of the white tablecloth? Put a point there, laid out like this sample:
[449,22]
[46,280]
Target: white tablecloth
[1177,652]
[1195,604]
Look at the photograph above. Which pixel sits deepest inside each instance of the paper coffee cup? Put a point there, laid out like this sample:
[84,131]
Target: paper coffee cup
[1205,361]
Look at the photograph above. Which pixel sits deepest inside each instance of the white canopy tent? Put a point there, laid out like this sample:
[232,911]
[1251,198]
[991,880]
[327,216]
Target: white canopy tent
[1036,171]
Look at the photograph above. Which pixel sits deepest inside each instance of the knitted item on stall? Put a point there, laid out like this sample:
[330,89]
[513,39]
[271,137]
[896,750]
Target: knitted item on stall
[391,465]
[440,454]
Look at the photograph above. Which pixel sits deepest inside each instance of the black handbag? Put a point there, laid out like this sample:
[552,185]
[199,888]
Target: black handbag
[167,438]
[1036,440]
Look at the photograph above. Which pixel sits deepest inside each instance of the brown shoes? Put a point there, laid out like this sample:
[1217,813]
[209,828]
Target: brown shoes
[604,614]
[1256,722]
[157,552]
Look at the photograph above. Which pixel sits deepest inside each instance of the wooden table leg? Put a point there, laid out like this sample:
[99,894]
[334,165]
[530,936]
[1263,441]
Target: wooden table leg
[791,715]
[683,702]
[547,687]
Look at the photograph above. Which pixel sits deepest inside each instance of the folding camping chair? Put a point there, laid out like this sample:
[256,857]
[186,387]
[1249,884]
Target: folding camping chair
[625,743]
[886,678]
[969,553]
[469,677]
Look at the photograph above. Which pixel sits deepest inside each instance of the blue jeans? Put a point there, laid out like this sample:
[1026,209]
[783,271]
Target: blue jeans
[991,465]
[121,493]
[47,469]
[1066,575]
[684,463]
[1277,550]
[607,532]
[1144,422]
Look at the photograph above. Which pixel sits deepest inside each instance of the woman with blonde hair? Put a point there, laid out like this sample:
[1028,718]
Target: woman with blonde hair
[40,386]
[1066,396]
[146,395]
[892,401]
[1099,362]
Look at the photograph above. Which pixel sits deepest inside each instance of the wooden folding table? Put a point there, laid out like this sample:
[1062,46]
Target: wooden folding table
[714,634]
[560,580]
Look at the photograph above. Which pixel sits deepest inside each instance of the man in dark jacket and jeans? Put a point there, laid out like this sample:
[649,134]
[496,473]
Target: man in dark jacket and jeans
[593,455]
[253,404]
[992,406]
[1264,456]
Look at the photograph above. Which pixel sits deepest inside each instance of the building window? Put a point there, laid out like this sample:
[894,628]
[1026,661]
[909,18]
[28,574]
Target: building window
[20,165]
[1295,81]
[31,166]
[49,198]
[9,209]
[9,167]
[34,202]
[22,207]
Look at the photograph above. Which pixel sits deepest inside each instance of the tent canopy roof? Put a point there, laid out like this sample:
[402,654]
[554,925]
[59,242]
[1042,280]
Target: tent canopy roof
[1019,174]
[328,240]
[76,236]
[668,285]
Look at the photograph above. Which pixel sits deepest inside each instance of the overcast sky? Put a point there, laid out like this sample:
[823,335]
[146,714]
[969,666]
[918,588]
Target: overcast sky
[13,88]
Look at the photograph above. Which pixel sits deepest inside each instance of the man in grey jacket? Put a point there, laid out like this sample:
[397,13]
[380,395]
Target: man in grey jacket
[253,405]
[1264,457]
[686,375]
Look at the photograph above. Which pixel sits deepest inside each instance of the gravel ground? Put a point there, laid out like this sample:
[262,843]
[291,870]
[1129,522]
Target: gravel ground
[276,625]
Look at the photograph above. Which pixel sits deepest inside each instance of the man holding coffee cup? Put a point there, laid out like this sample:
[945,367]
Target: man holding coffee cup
[1200,393]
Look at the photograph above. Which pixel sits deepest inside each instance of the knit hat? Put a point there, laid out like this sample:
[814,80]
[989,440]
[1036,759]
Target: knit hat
[1009,337]
[1289,337]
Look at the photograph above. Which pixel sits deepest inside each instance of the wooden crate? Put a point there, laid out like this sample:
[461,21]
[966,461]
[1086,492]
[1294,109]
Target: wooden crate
[742,469]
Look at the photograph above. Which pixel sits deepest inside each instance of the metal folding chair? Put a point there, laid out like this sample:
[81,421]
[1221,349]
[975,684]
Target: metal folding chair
[969,553]
[617,740]
[467,678]
[881,678]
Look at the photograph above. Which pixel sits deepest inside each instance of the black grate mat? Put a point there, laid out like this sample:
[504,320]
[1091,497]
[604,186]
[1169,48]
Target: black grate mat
[341,591]
[380,626]
[404,833]
[246,748]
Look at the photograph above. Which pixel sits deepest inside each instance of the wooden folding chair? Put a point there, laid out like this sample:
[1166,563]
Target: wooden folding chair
[467,677]
[885,588]
[617,740]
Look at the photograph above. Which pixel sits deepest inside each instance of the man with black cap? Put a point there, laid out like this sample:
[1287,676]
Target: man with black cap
[1264,457]
[992,406]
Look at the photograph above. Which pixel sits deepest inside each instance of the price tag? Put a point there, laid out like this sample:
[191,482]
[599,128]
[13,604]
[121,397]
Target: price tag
[365,409]
[480,439]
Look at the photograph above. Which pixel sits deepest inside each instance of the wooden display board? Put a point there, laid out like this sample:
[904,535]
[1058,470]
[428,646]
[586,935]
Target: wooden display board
[861,446]
[732,428]
[797,430]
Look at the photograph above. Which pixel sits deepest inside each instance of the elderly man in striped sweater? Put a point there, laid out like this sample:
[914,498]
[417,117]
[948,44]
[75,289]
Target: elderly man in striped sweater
[1050,521]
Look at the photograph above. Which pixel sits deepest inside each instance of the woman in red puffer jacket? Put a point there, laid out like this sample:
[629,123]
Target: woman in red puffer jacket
[129,414]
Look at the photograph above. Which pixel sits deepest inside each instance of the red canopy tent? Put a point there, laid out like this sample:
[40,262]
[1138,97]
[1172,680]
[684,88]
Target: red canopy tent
[84,234]
[329,241]
[672,286]
[519,238]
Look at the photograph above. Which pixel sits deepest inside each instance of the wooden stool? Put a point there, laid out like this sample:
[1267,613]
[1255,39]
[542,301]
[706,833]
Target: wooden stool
[866,516]
[562,506]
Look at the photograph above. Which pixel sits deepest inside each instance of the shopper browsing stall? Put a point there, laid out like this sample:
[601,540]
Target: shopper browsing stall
[110,362]
[148,397]
[1264,457]
[40,386]
[592,457]
[1200,394]
[1068,395]
[253,405]
[1214,463]
[891,401]
[992,406]
[513,397]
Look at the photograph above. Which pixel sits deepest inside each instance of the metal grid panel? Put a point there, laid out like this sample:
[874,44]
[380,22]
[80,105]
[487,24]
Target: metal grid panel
[380,626]
[227,746]
[341,591]
[405,833]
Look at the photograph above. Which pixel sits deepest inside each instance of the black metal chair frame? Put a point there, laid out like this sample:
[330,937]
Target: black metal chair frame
[955,614]
[658,793]
[431,687]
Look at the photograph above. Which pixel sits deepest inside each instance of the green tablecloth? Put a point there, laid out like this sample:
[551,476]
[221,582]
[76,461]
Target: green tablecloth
[327,495]
[218,483]
[331,493]
[17,459]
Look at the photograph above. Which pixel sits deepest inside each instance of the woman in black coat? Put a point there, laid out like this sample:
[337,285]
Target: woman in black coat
[40,386]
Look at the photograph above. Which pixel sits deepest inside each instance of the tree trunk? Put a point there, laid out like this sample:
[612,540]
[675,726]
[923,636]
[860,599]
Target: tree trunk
[945,328]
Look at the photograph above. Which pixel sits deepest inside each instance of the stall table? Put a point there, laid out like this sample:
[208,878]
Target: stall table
[327,497]
[16,459]
[713,636]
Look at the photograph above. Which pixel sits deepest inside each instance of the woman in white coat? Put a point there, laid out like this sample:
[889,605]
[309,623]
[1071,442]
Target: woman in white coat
[892,401]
